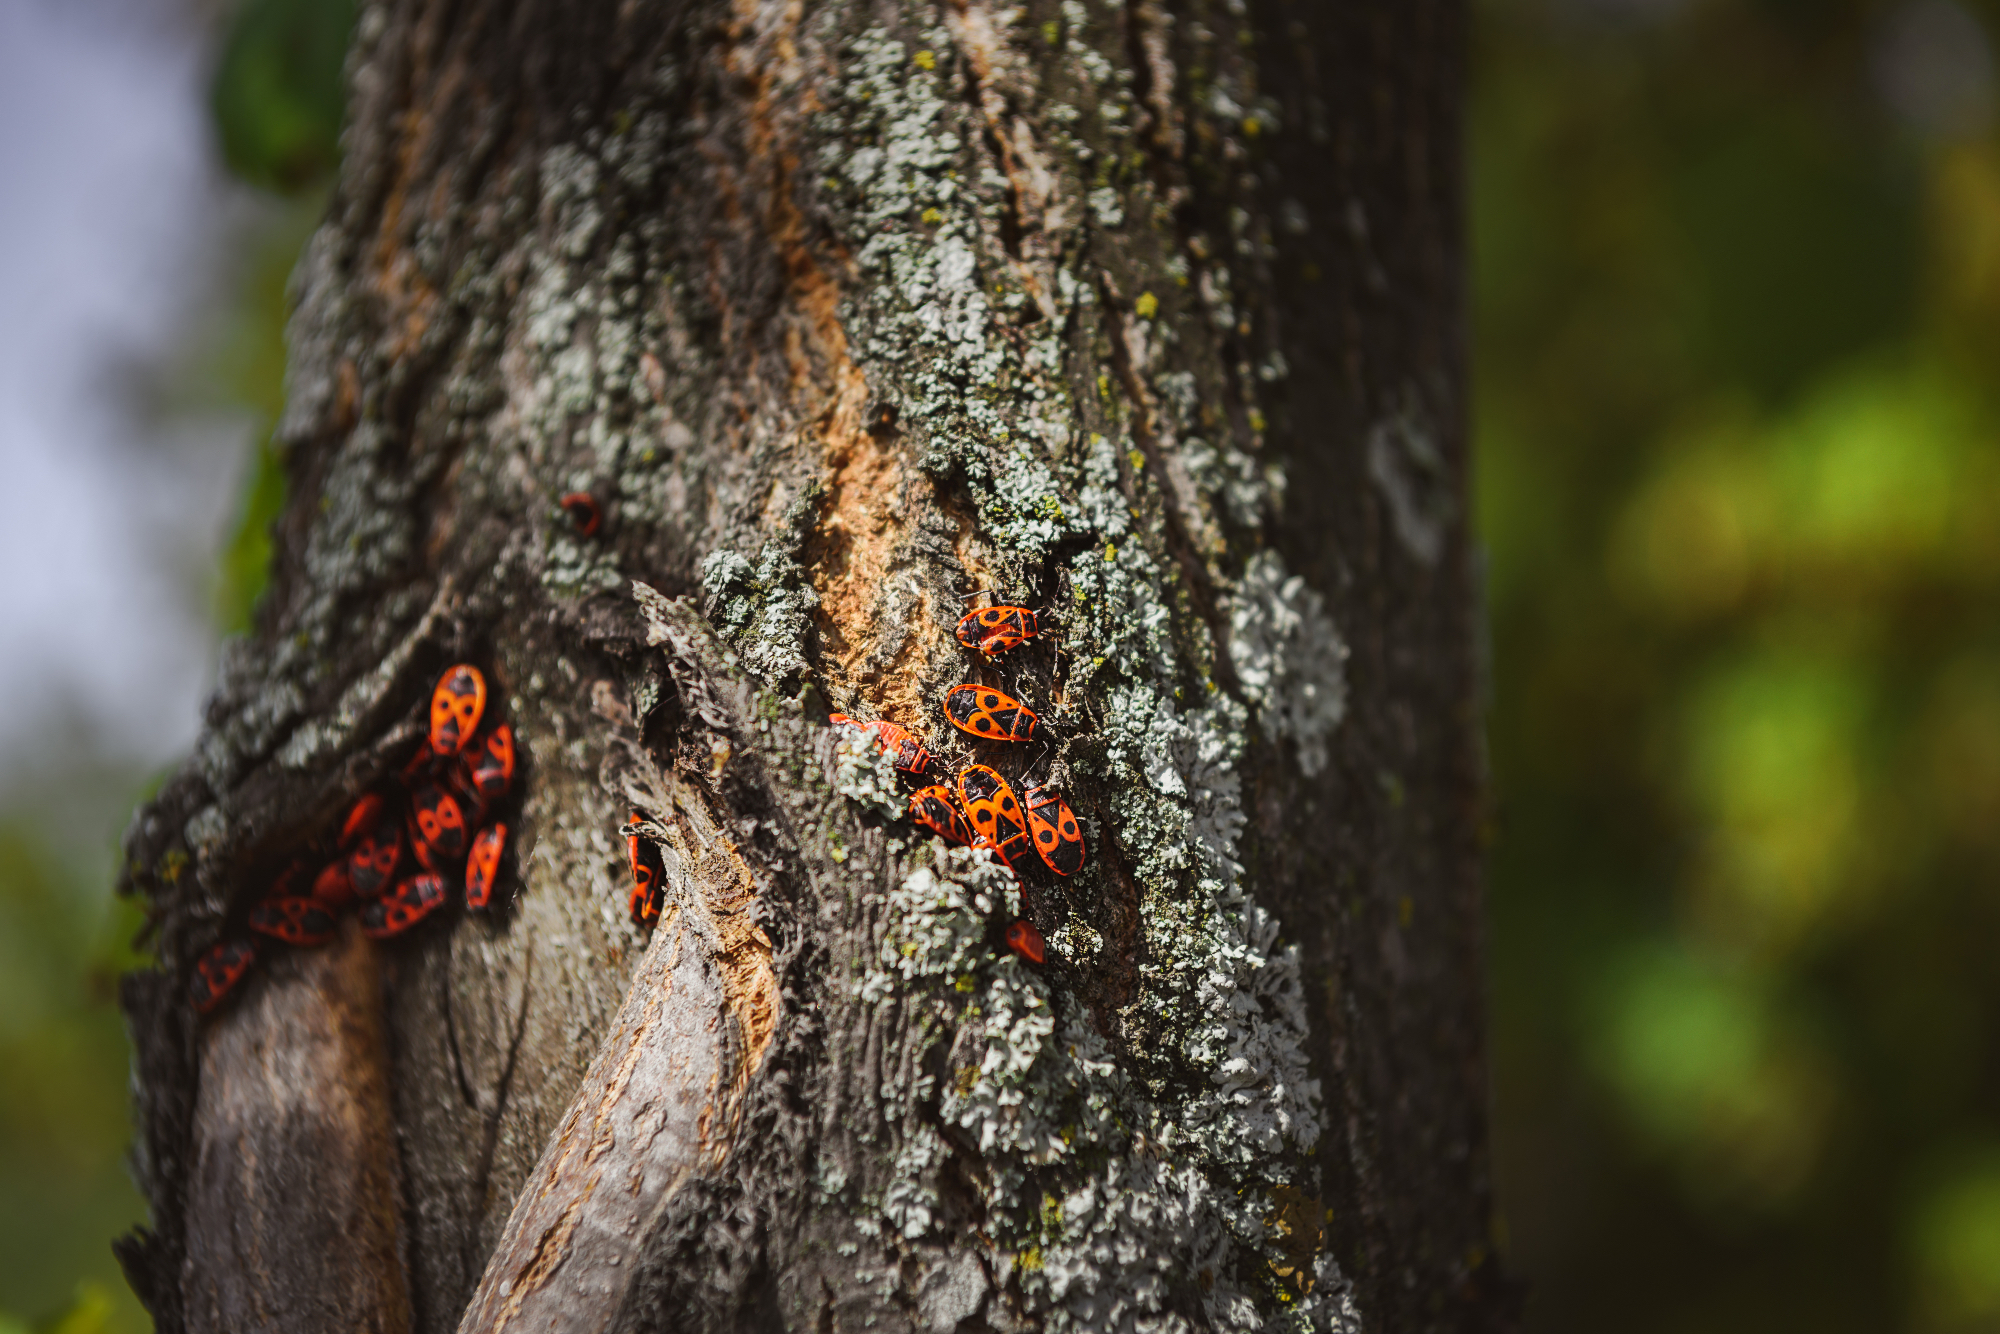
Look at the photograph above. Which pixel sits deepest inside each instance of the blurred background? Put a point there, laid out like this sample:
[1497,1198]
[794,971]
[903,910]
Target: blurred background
[1737,291]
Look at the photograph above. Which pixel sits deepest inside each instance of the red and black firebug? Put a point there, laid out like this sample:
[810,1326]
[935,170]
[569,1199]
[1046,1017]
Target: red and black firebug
[295,920]
[996,629]
[987,713]
[482,865]
[1053,824]
[937,810]
[456,706]
[403,907]
[1026,941]
[992,811]
[649,890]
[219,969]
[437,828]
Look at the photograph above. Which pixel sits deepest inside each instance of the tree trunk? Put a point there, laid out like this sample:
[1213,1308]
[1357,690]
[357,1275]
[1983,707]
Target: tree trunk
[1147,318]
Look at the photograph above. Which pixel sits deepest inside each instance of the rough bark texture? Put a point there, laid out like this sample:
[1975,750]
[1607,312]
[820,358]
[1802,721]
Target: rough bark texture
[1145,316]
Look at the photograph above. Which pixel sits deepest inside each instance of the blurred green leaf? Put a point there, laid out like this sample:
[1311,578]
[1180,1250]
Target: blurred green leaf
[94,1313]
[1802,243]
[1955,1237]
[278,96]
[245,566]
[1739,467]
[1715,1073]
[64,1118]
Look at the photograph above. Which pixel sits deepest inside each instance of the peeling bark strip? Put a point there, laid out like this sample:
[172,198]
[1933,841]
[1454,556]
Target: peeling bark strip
[635,1133]
[1145,316]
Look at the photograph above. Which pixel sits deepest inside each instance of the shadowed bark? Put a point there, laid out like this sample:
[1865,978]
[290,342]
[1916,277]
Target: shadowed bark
[1145,317]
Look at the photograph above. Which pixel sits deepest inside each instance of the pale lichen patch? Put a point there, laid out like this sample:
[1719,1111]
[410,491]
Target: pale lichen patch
[1409,469]
[863,773]
[1289,658]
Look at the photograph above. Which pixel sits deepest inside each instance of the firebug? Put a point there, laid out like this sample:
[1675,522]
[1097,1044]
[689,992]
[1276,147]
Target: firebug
[993,630]
[985,712]
[649,890]
[1026,941]
[408,903]
[992,811]
[221,968]
[905,751]
[1057,835]
[294,920]
[482,865]
[583,511]
[937,810]
[372,863]
[437,828]
[489,765]
[456,706]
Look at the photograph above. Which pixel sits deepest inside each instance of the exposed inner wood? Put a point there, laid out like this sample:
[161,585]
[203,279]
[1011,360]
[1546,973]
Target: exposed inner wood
[661,1102]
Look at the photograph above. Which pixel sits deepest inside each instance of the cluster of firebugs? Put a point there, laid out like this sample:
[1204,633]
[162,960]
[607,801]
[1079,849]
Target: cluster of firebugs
[980,810]
[427,821]
[402,848]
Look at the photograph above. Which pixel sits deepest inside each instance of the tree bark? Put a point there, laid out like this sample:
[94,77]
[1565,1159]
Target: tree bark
[1147,317]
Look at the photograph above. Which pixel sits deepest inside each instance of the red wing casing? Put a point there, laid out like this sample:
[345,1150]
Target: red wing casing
[437,828]
[1026,941]
[583,511]
[408,903]
[456,706]
[987,713]
[294,920]
[936,810]
[482,865]
[992,811]
[366,814]
[221,968]
[649,890]
[332,889]
[489,765]
[372,864]
[420,765]
[997,629]
[1058,836]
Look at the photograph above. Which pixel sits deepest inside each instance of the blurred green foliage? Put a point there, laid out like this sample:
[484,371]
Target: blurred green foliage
[64,1111]
[278,95]
[64,1126]
[1737,301]
[249,370]
[278,99]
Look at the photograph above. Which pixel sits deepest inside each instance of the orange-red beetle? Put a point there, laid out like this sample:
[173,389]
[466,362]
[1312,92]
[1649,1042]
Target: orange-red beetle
[1053,824]
[456,706]
[993,812]
[987,713]
[996,629]
[583,511]
[1026,941]
[219,969]
[482,865]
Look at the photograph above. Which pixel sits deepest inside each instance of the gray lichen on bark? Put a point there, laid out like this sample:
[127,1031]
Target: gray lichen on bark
[843,313]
